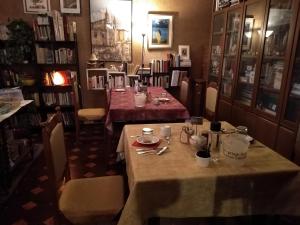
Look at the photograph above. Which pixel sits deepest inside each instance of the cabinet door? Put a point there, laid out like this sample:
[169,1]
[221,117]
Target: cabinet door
[229,69]
[217,45]
[250,51]
[292,107]
[274,63]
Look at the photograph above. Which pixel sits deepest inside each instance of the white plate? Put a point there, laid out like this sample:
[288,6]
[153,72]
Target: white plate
[154,140]
[164,99]
[119,90]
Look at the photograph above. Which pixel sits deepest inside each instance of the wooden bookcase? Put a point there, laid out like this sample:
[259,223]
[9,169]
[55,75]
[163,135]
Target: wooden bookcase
[55,49]
[257,69]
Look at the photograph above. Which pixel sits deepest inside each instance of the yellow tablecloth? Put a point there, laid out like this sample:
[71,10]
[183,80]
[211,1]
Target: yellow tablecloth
[173,185]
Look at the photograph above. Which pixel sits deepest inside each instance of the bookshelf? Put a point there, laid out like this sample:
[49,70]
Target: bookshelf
[167,73]
[55,50]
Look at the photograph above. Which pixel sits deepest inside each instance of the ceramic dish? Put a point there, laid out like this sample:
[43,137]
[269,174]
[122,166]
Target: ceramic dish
[140,140]
[164,99]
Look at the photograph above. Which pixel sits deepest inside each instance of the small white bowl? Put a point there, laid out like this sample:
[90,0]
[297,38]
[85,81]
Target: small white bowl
[203,161]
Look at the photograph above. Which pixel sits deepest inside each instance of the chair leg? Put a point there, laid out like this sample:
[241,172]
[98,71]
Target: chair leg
[77,127]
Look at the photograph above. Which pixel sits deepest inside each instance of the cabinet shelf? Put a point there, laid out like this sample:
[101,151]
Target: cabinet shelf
[54,42]
[268,89]
[246,83]
[218,33]
[275,57]
[252,57]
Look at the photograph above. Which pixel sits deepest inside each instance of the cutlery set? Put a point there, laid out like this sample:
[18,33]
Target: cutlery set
[153,151]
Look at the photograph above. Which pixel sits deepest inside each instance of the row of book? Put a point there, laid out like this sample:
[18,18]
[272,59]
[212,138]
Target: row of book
[177,77]
[67,117]
[54,27]
[159,66]
[96,82]
[160,81]
[64,98]
[32,96]
[59,56]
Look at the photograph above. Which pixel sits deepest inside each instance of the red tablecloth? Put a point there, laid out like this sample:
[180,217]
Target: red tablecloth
[122,108]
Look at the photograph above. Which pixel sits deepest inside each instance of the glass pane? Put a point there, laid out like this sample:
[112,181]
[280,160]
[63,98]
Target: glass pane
[292,112]
[216,48]
[230,55]
[276,36]
[251,42]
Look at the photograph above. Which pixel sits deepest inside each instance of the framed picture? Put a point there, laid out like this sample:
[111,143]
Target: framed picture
[249,22]
[184,52]
[36,6]
[70,6]
[111,30]
[160,30]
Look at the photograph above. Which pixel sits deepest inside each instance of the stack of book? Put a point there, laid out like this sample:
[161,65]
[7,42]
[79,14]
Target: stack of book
[53,27]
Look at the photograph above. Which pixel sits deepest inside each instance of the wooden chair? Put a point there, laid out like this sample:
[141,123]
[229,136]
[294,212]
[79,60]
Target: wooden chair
[87,114]
[82,201]
[184,94]
[211,101]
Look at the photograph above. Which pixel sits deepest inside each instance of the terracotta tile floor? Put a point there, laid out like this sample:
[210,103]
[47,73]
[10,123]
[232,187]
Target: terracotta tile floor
[31,203]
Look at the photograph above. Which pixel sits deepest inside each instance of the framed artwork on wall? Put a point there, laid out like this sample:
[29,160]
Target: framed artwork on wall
[111,36]
[160,30]
[70,6]
[36,6]
[184,52]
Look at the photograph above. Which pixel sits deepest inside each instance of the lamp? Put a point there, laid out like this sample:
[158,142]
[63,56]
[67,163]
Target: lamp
[142,74]
[58,78]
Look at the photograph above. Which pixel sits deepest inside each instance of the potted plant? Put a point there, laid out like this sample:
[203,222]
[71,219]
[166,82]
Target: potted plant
[20,42]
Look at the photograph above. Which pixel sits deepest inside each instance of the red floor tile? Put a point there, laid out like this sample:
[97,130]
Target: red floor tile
[36,190]
[29,205]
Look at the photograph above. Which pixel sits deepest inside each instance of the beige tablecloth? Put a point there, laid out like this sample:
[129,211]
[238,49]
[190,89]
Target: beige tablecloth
[173,185]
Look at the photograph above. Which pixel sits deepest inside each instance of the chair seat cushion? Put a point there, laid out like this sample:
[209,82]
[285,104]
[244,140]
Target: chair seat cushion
[91,113]
[85,200]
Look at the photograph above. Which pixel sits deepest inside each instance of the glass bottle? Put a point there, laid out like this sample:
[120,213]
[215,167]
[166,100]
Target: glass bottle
[214,140]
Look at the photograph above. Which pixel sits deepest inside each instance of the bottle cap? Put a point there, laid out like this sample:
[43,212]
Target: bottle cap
[215,126]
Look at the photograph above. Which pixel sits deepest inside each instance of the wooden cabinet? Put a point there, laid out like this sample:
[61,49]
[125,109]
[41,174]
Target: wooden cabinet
[259,77]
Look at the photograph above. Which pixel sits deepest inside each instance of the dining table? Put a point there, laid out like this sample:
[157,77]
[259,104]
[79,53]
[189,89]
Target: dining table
[173,185]
[122,107]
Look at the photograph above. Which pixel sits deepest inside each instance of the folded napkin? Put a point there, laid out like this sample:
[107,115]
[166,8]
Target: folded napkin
[155,145]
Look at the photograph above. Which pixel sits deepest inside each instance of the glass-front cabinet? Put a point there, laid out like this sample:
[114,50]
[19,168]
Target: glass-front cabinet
[229,69]
[274,56]
[250,51]
[292,109]
[217,44]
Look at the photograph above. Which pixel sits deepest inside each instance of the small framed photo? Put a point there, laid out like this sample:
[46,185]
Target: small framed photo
[36,6]
[160,30]
[70,6]
[184,52]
